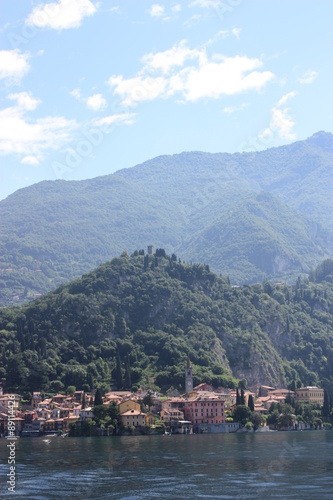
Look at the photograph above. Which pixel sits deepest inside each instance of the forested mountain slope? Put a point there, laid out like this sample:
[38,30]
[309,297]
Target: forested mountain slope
[249,216]
[144,314]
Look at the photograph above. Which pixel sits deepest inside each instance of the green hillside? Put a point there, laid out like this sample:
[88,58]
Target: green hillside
[148,312]
[250,216]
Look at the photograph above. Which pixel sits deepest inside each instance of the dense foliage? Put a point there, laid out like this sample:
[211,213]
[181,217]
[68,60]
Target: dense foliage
[250,216]
[133,320]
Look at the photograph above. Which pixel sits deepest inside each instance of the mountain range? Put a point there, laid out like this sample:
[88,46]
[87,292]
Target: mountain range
[251,216]
[133,321]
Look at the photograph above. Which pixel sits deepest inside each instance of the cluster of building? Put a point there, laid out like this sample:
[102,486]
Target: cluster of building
[200,409]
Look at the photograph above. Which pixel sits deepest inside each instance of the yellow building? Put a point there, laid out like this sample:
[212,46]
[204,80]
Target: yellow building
[129,405]
[49,425]
[133,418]
[149,418]
[68,421]
[310,395]
[173,414]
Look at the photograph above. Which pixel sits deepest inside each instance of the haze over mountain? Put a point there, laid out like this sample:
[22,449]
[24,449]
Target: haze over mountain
[251,216]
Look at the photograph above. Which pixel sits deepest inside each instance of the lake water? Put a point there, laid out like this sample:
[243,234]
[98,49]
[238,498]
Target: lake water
[296,465]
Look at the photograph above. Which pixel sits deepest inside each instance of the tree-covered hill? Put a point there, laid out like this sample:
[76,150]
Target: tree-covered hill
[133,320]
[249,216]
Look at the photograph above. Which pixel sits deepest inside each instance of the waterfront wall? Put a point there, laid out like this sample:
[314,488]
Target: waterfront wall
[218,428]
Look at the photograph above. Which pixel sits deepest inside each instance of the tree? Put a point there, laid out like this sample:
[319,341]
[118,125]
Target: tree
[128,375]
[242,397]
[290,400]
[326,406]
[98,398]
[286,420]
[287,417]
[119,375]
[148,400]
[292,386]
[242,384]
[242,414]
[308,414]
[237,397]
[273,417]
[257,420]
[251,403]
[113,413]
[249,426]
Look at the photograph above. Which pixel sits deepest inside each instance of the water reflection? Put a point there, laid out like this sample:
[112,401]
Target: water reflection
[242,466]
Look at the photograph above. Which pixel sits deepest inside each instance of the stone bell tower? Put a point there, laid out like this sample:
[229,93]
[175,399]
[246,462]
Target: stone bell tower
[188,377]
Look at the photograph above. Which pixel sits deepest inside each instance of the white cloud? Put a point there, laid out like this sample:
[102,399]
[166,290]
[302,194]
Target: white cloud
[157,10]
[134,90]
[223,34]
[125,118]
[308,77]
[192,21]
[226,77]
[232,109]
[64,14]
[285,98]
[191,73]
[76,93]
[236,32]
[30,160]
[176,8]
[206,4]
[19,134]
[229,109]
[176,56]
[25,101]
[13,64]
[96,102]
[281,124]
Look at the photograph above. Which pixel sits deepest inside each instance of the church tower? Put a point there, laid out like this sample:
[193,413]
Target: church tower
[188,377]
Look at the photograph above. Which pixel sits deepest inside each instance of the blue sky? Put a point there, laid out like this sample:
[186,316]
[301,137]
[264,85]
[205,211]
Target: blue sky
[88,88]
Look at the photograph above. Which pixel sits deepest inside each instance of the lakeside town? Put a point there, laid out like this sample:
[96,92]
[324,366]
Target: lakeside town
[201,409]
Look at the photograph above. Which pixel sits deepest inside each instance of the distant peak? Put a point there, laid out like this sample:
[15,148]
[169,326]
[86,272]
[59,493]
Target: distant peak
[322,139]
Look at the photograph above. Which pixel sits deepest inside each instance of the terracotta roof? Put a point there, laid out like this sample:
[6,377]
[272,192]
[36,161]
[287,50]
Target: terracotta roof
[259,408]
[282,391]
[131,412]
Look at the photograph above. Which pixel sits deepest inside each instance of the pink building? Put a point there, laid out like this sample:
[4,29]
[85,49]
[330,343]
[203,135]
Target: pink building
[205,410]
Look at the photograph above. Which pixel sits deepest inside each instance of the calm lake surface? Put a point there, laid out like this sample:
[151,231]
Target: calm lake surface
[253,465]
